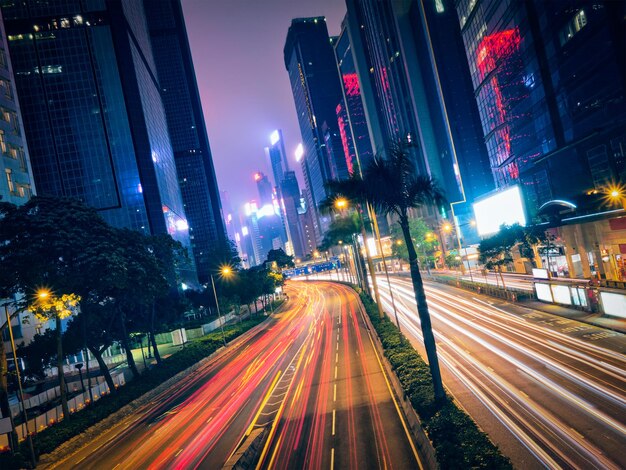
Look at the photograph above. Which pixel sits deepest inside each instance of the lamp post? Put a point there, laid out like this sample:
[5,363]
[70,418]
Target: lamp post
[225,271]
[29,436]
[341,204]
[79,367]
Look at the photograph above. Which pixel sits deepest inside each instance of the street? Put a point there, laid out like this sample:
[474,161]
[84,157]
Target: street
[309,379]
[551,392]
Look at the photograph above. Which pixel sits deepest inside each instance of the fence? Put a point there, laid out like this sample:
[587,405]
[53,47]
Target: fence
[54,415]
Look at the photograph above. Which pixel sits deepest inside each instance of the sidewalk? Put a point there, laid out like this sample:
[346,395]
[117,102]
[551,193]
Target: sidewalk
[596,319]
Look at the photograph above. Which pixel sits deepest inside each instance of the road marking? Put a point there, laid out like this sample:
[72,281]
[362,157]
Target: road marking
[333,422]
[334,394]
[332,458]
[337,347]
[178,453]
[336,357]
[269,393]
[335,372]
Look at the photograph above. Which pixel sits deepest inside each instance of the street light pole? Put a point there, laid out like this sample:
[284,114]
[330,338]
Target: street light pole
[29,436]
[219,315]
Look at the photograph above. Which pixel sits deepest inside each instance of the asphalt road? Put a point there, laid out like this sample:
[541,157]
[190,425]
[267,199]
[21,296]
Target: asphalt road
[550,391]
[310,379]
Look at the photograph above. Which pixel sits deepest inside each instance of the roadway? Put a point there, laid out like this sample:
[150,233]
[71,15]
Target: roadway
[309,379]
[550,391]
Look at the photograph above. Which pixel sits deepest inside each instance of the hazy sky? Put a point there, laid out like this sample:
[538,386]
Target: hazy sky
[237,48]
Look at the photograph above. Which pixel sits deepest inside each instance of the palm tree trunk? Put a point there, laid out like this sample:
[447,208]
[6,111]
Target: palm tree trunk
[62,385]
[422,310]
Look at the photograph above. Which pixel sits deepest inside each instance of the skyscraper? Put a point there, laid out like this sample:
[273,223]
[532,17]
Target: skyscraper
[550,82]
[93,116]
[440,51]
[277,157]
[264,187]
[401,100]
[183,110]
[353,127]
[16,179]
[290,191]
[310,61]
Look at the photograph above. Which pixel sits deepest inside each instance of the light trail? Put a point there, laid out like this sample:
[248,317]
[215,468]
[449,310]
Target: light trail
[562,397]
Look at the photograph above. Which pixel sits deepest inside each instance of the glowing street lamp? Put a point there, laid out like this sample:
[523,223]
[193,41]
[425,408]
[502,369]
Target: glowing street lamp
[341,203]
[225,271]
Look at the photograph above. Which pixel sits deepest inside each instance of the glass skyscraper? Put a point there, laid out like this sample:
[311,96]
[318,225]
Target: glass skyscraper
[93,116]
[310,61]
[190,143]
[16,179]
[549,80]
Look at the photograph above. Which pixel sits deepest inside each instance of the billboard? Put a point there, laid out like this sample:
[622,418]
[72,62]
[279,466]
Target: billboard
[504,207]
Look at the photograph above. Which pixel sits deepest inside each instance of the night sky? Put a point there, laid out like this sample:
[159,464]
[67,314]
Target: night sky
[237,48]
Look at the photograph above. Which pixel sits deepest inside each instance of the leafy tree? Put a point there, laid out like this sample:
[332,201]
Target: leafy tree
[49,306]
[282,259]
[495,251]
[421,235]
[393,187]
[341,230]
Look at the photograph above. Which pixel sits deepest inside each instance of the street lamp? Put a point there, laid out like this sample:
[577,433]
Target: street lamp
[224,271]
[29,436]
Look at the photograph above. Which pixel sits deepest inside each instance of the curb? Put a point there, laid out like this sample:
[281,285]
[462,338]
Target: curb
[425,447]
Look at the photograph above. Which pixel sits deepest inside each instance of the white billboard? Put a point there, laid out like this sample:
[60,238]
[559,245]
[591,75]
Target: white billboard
[504,207]
[543,292]
[614,304]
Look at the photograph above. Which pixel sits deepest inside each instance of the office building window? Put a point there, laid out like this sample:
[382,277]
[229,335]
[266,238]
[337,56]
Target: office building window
[577,23]
[9,176]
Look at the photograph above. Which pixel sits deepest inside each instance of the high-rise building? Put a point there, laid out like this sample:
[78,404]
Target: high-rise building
[401,99]
[265,189]
[550,82]
[310,61]
[183,110]
[290,190]
[277,157]
[16,179]
[93,115]
[440,51]
[353,127]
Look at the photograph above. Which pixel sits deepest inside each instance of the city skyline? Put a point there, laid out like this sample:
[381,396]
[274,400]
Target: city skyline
[238,138]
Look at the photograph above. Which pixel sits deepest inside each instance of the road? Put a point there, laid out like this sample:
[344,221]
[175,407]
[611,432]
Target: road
[309,379]
[551,392]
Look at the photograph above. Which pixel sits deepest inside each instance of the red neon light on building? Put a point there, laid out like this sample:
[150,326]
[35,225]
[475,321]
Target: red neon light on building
[495,51]
[351,84]
[344,137]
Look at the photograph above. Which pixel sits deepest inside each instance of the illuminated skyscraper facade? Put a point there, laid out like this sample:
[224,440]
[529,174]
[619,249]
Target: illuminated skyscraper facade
[93,115]
[310,61]
[183,110]
[549,80]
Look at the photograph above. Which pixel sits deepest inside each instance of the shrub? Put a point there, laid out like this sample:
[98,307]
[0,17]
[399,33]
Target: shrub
[455,436]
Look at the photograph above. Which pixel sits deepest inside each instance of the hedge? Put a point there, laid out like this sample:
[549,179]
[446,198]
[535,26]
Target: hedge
[194,351]
[458,442]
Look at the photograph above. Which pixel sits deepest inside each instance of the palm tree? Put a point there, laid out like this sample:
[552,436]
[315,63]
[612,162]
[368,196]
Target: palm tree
[392,187]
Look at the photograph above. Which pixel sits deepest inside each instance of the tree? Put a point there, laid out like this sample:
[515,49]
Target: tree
[495,251]
[423,237]
[49,306]
[341,229]
[282,259]
[393,187]
[56,243]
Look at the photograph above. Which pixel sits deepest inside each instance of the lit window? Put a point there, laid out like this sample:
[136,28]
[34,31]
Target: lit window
[439,6]
[578,22]
[10,180]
